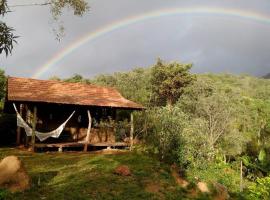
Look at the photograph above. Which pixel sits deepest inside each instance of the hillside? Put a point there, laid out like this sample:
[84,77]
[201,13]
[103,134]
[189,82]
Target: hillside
[267,76]
[207,131]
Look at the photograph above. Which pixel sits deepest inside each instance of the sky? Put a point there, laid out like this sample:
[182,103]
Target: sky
[214,42]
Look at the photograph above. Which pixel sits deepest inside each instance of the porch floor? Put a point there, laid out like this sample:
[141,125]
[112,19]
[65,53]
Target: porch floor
[81,144]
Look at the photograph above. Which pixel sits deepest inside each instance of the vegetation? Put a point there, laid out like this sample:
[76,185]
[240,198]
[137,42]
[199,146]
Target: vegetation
[7,38]
[267,76]
[213,122]
[205,124]
[2,85]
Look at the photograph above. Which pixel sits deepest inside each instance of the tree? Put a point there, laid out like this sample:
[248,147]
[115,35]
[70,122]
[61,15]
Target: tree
[7,36]
[3,80]
[77,78]
[134,85]
[165,126]
[169,80]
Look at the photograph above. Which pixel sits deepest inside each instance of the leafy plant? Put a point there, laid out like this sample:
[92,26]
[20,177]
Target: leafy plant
[260,190]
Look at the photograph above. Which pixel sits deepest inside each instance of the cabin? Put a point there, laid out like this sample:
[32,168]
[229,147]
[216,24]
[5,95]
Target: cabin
[56,114]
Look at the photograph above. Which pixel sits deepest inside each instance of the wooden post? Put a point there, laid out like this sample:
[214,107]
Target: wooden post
[18,141]
[34,123]
[241,176]
[88,131]
[26,137]
[131,130]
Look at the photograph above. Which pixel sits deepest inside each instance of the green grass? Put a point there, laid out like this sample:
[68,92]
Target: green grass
[90,176]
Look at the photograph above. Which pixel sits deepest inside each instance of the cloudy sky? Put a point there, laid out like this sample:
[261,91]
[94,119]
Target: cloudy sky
[236,40]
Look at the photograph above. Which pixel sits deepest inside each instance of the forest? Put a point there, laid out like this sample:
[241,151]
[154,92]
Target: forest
[211,126]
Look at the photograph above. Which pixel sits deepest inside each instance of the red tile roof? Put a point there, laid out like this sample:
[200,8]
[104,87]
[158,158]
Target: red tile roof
[49,91]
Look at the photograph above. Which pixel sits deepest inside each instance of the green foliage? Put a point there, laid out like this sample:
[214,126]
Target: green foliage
[75,79]
[165,128]
[168,80]
[3,80]
[7,38]
[79,7]
[134,85]
[267,76]
[260,190]
[211,172]
[4,194]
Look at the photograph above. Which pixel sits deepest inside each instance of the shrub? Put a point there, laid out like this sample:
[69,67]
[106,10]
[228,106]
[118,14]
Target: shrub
[260,189]
[165,126]
[4,194]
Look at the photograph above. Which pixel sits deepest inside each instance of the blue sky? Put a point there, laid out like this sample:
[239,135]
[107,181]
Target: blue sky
[218,44]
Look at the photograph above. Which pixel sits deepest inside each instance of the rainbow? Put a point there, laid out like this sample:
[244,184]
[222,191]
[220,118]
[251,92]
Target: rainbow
[236,13]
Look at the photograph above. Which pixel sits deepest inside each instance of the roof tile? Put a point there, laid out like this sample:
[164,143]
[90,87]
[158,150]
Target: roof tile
[50,91]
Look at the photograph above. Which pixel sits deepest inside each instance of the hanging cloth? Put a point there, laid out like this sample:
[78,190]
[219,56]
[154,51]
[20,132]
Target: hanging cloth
[41,136]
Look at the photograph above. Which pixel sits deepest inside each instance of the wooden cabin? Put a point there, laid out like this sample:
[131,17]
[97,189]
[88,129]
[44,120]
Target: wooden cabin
[43,105]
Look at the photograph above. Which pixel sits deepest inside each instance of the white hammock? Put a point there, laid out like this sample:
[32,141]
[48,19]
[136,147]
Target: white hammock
[41,136]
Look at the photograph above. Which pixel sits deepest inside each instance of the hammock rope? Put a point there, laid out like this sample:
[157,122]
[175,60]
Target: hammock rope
[41,136]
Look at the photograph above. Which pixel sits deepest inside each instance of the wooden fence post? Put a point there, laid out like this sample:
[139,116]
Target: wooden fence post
[241,176]
[88,131]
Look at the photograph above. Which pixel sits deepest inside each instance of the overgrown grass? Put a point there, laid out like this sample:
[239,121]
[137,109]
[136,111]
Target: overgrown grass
[90,176]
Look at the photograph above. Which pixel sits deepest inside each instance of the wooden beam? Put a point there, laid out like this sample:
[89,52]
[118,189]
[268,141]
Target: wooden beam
[26,137]
[76,144]
[34,123]
[18,140]
[88,130]
[131,130]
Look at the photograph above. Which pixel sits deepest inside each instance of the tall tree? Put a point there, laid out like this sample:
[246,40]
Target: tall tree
[169,80]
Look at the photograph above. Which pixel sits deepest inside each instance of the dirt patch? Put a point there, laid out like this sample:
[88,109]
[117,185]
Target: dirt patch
[202,186]
[178,179]
[152,187]
[122,170]
[222,192]
[13,175]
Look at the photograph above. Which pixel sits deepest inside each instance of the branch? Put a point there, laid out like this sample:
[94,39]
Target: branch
[30,4]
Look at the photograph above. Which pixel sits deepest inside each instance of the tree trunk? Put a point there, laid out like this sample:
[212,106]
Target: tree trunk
[169,102]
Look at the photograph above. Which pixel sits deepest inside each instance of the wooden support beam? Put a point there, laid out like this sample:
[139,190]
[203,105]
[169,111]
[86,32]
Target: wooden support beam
[131,130]
[88,131]
[18,140]
[34,123]
[26,137]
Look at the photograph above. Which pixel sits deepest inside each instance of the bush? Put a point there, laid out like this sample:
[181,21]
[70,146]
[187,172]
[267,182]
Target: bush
[4,194]
[211,172]
[164,130]
[260,189]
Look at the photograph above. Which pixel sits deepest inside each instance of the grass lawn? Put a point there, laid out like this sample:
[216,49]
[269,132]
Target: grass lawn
[90,176]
